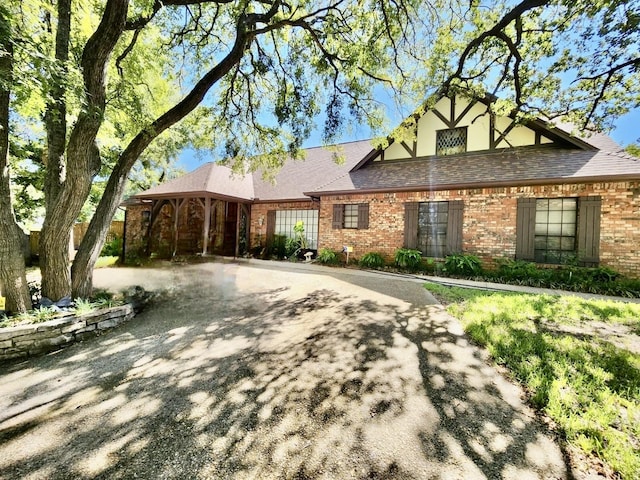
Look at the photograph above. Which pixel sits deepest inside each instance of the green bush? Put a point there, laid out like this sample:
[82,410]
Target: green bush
[371,260]
[327,256]
[112,248]
[463,264]
[408,258]
[278,247]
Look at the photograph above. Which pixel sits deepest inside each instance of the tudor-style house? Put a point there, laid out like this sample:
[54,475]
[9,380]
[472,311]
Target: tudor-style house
[469,181]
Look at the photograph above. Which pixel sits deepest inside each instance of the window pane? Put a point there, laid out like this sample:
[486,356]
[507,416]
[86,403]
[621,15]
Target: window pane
[451,141]
[555,216]
[555,204]
[350,216]
[555,230]
[432,228]
[286,220]
[569,229]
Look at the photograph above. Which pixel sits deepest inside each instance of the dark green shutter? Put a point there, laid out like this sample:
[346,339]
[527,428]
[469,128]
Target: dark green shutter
[454,227]
[411,225]
[338,213]
[525,229]
[363,215]
[271,226]
[588,250]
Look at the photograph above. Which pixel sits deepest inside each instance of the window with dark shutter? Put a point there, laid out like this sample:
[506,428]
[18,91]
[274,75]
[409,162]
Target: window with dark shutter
[363,215]
[555,230]
[411,225]
[338,210]
[589,211]
[525,229]
[350,219]
[454,227]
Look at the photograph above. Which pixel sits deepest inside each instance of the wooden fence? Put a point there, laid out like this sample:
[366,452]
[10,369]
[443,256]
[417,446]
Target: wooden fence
[79,230]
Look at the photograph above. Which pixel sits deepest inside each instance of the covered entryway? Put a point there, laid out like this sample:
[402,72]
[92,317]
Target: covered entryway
[204,212]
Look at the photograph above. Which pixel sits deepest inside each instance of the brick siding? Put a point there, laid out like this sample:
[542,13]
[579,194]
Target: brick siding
[489,228]
[259,211]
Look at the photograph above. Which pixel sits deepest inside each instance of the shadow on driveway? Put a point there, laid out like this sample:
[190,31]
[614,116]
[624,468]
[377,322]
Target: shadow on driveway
[245,372]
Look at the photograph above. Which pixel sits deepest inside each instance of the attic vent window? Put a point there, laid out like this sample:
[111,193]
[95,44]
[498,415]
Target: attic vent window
[451,141]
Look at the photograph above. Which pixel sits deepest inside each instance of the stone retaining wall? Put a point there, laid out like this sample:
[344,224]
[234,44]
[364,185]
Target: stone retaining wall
[34,339]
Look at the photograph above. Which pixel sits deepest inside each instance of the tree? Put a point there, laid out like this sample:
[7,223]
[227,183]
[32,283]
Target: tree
[12,266]
[269,67]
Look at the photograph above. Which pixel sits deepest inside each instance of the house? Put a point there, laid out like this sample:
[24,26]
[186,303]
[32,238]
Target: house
[467,181]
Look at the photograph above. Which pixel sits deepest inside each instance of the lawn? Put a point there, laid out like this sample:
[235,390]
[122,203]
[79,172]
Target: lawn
[578,359]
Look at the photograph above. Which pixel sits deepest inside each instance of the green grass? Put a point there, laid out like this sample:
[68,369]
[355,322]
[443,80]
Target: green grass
[106,262]
[588,386]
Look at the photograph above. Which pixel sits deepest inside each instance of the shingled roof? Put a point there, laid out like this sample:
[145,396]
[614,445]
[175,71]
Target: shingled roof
[294,178]
[515,166]
[210,179]
[593,158]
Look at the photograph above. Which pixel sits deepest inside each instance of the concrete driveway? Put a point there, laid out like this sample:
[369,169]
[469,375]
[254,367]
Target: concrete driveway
[268,370]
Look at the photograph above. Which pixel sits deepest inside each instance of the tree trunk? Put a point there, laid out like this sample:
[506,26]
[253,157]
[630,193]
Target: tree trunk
[55,117]
[91,245]
[83,156]
[12,267]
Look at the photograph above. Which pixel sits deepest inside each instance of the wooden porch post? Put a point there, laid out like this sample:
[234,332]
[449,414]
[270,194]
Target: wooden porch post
[176,210]
[207,225]
[237,250]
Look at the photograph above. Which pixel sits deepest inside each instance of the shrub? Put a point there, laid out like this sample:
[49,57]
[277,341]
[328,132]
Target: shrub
[292,246]
[407,258]
[278,247]
[112,248]
[463,264]
[327,256]
[372,260]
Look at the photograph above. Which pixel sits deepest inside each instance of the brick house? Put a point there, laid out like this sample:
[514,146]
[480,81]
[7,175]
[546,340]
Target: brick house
[468,181]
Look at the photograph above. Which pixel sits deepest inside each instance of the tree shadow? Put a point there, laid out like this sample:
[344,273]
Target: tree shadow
[327,381]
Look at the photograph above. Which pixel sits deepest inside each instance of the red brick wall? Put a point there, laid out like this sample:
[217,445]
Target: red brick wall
[259,210]
[490,220]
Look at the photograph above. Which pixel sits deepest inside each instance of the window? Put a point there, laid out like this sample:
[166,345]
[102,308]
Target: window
[555,230]
[434,228]
[451,141]
[286,219]
[433,218]
[354,216]
[558,230]
[350,216]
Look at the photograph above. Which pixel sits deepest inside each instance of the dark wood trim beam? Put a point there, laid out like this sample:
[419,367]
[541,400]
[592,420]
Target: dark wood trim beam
[443,118]
[464,112]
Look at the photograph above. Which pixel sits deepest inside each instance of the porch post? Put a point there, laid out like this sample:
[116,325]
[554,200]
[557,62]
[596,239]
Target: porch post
[176,211]
[237,251]
[207,225]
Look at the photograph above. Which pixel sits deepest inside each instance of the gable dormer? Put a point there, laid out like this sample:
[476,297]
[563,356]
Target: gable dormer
[460,125]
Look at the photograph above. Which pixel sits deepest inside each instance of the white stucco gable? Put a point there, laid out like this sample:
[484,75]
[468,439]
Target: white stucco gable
[483,130]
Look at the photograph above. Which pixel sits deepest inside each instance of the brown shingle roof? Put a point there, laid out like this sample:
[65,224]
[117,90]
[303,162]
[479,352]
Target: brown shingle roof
[318,168]
[295,177]
[517,166]
[209,179]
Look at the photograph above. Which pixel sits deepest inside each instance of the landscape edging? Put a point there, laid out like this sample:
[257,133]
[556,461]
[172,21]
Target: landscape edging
[23,341]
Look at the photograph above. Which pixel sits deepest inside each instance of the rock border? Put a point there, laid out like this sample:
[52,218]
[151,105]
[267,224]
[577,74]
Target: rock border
[22,341]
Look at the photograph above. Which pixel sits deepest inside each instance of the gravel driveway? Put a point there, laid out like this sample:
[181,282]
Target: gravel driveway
[268,370]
